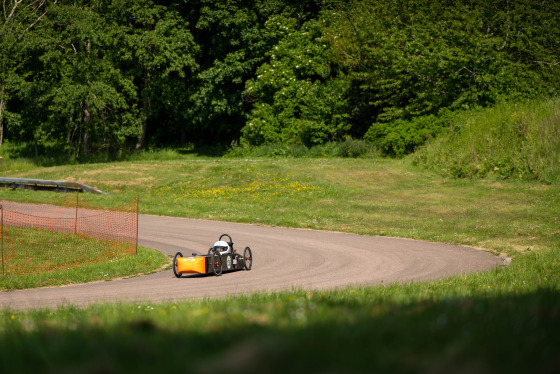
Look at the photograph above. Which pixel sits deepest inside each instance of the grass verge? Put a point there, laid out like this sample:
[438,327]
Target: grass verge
[145,262]
[28,251]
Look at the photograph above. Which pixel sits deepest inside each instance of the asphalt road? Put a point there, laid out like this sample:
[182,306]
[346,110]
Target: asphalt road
[283,259]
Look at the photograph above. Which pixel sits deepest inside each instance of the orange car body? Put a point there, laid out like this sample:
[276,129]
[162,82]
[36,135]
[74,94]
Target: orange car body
[192,265]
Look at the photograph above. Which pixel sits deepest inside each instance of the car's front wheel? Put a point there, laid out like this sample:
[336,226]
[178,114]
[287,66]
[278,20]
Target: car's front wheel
[177,255]
[216,263]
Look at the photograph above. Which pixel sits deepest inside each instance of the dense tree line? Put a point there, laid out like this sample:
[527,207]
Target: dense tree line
[107,75]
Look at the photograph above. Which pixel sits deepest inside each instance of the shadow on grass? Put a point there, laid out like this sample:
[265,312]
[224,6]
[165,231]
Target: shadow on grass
[217,150]
[57,155]
[505,334]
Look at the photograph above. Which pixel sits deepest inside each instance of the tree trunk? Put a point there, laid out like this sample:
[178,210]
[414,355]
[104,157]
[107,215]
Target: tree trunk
[145,112]
[87,144]
[183,135]
[87,137]
[2,106]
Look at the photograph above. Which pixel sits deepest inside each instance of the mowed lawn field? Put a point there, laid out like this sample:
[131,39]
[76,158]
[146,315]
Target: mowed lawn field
[503,321]
[365,196]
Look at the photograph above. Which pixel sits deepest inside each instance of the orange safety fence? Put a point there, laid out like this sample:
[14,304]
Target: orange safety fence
[40,238]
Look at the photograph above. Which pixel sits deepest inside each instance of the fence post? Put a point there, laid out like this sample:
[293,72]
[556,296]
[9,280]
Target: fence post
[137,198]
[76,220]
[2,238]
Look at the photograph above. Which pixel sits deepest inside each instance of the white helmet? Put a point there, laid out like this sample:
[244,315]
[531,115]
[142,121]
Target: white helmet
[221,246]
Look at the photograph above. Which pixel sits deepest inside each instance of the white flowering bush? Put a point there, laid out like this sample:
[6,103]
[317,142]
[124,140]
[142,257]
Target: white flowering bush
[298,95]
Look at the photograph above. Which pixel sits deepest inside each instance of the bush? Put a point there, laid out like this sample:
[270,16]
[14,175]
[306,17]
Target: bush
[349,148]
[401,137]
[297,96]
[352,148]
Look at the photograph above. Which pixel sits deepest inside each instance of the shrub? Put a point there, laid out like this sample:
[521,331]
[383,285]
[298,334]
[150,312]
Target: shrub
[401,137]
[297,96]
[349,148]
[353,148]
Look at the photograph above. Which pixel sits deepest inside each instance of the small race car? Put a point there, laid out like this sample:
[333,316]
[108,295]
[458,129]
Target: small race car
[221,257]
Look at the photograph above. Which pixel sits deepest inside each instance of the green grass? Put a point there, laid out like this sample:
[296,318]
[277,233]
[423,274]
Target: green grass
[506,320]
[348,148]
[519,140]
[365,196]
[145,262]
[32,251]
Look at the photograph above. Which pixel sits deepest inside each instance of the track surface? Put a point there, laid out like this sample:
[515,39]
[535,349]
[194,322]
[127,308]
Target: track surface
[283,259]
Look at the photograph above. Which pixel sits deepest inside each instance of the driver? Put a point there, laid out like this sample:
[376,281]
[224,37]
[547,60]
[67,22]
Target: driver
[221,247]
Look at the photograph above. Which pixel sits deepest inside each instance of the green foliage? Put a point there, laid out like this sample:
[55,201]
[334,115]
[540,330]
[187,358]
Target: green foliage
[411,58]
[298,96]
[79,97]
[90,76]
[354,148]
[156,48]
[348,148]
[16,20]
[235,41]
[401,137]
[510,140]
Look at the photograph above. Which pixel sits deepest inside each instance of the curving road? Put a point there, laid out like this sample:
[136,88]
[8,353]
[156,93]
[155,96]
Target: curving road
[283,259]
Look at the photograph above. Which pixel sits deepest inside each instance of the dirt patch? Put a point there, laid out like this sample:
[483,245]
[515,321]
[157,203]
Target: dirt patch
[135,182]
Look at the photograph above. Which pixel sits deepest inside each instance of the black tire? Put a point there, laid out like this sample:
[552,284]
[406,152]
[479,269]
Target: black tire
[210,251]
[248,258]
[177,255]
[216,263]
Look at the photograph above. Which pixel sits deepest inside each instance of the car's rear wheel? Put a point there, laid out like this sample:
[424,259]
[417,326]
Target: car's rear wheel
[216,263]
[177,255]
[248,257]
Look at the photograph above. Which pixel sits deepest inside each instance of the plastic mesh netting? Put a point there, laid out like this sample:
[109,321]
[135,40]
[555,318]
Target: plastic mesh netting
[39,238]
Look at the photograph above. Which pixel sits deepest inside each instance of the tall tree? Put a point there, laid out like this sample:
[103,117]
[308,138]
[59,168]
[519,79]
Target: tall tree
[235,42]
[412,58]
[88,100]
[157,49]
[17,18]
[298,96]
